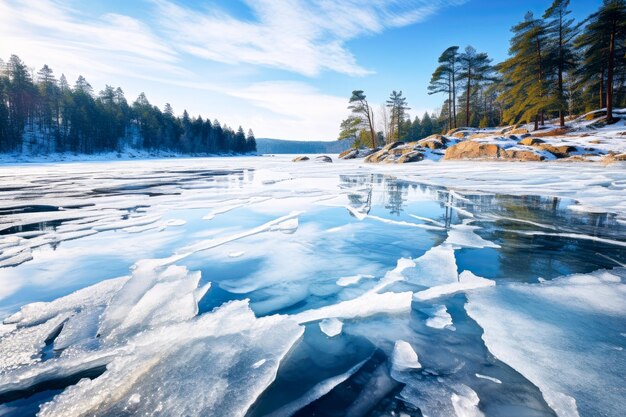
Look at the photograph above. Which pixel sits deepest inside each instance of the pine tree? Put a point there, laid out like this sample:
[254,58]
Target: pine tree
[398,106]
[603,44]
[350,129]
[250,142]
[426,125]
[524,73]
[443,80]
[46,112]
[239,145]
[49,94]
[362,110]
[474,68]
[560,32]
[416,130]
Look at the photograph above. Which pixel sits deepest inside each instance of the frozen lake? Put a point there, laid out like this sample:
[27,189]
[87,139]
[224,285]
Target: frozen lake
[260,287]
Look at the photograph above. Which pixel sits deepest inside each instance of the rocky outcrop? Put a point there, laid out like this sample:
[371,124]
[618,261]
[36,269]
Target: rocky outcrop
[521,155]
[473,150]
[356,153]
[413,156]
[349,154]
[530,141]
[433,142]
[518,131]
[398,153]
[300,159]
[323,158]
[613,157]
[476,150]
[377,156]
[552,132]
[560,151]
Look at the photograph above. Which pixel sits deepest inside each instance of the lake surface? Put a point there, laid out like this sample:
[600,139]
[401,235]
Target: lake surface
[270,288]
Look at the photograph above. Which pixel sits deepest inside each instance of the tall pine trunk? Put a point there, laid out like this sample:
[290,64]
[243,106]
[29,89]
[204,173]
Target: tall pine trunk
[449,101]
[454,94]
[609,76]
[561,65]
[602,102]
[467,98]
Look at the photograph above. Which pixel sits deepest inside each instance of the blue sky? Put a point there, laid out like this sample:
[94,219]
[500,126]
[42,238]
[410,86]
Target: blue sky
[284,68]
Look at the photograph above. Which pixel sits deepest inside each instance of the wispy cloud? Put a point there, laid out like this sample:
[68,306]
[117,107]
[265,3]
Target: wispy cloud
[306,37]
[302,36]
[51,32]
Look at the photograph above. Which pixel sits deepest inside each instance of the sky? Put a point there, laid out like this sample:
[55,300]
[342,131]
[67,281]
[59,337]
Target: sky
[284,68]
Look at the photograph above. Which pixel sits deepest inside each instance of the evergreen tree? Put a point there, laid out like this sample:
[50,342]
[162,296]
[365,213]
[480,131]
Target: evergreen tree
[443,80]
[361,109]
[398,106]
[45,115]
[416,129]
[250,142]
[350,129]
[475,68]
[561,32]
[603,45]
[524,73]
[239,145]
[426,125]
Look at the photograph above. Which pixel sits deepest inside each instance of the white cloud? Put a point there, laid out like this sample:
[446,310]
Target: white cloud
[48,31]
[302,36]
[280,109]
[307,37]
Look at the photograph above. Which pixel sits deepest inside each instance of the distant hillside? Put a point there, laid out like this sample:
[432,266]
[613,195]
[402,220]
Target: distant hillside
[264,145]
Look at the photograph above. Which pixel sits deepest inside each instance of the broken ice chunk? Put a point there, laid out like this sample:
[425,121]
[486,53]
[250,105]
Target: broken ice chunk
[439,317]
[467,281]
[331,327]
[404,357]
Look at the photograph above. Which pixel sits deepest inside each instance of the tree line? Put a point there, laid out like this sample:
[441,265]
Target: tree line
[557,67]
[40,114]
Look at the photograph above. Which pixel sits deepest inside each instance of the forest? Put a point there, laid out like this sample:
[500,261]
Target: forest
[556,68]
[40,115]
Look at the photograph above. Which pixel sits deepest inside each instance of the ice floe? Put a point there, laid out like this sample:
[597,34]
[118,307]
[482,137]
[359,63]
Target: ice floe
[558,335]
[467,282]
[352,279]
[331,327]
[439,317]
[404,357]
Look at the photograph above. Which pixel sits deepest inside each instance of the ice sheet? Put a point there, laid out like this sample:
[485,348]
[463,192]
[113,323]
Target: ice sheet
[559,334]
[467,282]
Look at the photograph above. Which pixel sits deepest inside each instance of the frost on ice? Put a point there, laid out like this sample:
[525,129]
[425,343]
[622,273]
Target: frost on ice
[544,331]
[158,353]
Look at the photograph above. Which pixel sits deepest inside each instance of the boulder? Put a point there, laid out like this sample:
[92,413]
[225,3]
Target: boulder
[413,156]
[552,132]
[377,156]
[392,145]
[518,131]
[521,155]
[561,151]
[349,154]
[464,130]
[530,141]
[433,142]
[481,135]
[473,150]
[300,159]
[323,158]
[612,157]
